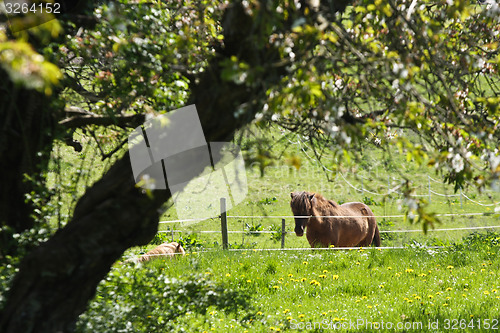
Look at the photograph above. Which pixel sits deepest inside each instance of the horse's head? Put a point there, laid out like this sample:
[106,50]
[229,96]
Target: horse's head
[301,205]
[178,248]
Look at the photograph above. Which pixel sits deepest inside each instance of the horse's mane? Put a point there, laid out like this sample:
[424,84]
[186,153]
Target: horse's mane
[303,202]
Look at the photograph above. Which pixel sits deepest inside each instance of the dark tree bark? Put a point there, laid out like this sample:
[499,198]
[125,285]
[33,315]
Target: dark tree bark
[56,280]
[26,134]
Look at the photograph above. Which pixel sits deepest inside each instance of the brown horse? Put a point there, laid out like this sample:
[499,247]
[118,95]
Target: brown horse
[353,229]
[168,250]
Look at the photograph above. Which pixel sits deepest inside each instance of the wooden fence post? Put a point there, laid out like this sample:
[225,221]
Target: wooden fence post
[223,222]
[283,232]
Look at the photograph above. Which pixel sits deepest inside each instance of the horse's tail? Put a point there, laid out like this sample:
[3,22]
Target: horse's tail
[376,237]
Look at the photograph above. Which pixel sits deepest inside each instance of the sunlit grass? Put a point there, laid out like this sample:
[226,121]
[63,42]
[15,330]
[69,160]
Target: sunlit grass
[409,285]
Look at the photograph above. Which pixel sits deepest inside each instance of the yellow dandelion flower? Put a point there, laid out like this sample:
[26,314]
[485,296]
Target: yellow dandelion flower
[305,263]
[450,267]
[449,289]
[381,286]
[325,271]
[330,262]
[389,268]
[259,313]
[409,270]
[357,301]
[302,315]
[445,304]
[358,263]
[289,318]
[228,275]
[486,292]
[335,277]
[323,313]
[290,275]
[286,311]
[369,306]
[431,296]
[364,297]
[303,279]
[276,287]
[322,276]
[249,281]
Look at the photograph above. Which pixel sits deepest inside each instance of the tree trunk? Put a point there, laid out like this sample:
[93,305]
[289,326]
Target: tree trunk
[26,135]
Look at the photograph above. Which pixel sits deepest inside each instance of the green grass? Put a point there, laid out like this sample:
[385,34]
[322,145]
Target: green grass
[287,289]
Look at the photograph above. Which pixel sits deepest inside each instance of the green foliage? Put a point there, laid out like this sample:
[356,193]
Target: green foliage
[147,300]
[160,238]
[385,224]
[27,67]
[268,201]
[252,230]
[277,232]
[486,239]
[370,201]
[190,242]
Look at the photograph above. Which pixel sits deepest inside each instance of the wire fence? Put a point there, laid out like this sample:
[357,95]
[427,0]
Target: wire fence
[282,233]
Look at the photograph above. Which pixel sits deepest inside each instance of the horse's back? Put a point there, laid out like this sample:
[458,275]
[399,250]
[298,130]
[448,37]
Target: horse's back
[163,250]
[358,207]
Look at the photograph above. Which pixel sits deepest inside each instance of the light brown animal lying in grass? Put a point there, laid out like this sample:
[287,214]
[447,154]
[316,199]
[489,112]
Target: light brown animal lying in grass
[163,250]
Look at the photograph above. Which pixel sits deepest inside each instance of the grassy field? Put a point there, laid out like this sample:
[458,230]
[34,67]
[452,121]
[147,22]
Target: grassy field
[249,290]
[363,290]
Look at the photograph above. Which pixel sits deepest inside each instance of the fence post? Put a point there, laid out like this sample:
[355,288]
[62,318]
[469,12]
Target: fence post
[223,222]
[283,232]
[461,206]
[172,234]
[429,178]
